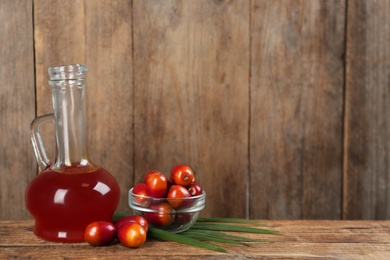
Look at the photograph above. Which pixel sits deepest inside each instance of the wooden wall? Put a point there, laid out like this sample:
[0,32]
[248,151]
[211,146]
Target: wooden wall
[281,107]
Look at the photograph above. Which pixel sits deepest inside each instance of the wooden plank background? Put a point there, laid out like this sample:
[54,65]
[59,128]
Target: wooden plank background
[279,106]
[367,115]
[17,106]
[297,109]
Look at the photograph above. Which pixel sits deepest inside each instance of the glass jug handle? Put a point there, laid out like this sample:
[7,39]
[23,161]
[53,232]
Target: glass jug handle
[36,139]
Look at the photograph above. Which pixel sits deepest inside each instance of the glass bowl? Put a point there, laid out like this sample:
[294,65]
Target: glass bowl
[173,215]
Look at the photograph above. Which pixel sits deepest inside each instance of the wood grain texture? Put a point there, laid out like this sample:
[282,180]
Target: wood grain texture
[296,109]
[110,83]
[299,240]
[281,107]
[17,106]
[367,114]
[191,64]
[59,34]
[97,33]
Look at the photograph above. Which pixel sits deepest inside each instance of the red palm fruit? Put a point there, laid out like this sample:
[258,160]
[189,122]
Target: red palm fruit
[182,175]
[193,181]
[156,184]
[176,194]
[140,191]
[164,214]
[133,219]
[149,173]
[131,235]
[100,233]
[170,183]
[195,189]
[183,219]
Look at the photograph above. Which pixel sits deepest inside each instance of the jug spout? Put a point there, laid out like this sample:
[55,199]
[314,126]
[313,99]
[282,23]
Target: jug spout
[73,71]
[68,88]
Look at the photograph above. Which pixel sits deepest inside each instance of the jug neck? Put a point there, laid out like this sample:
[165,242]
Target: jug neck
[68,90]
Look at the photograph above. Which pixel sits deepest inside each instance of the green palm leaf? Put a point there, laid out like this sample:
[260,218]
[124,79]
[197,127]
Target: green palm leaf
[233,228]
[208,230]
[167,236]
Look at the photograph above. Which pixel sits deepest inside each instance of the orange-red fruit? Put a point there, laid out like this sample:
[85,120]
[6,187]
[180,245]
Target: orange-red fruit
[140,190]
[182,175]
[193,181]
[164,214]
[149,173]
[195,189]
[156,184]
[132,219]
[100,233]
[170,183]
[176,194]
[183,219]
[131,235]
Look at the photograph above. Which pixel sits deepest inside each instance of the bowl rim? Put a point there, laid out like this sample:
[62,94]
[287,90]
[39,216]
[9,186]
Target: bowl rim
[201,196]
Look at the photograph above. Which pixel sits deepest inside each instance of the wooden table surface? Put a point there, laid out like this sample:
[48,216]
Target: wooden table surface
[300,239]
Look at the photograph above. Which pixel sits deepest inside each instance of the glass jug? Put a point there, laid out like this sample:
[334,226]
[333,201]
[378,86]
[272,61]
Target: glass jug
[71,192]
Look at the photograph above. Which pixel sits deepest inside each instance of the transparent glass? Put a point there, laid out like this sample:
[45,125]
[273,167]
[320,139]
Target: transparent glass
[72,191]
[160,214]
